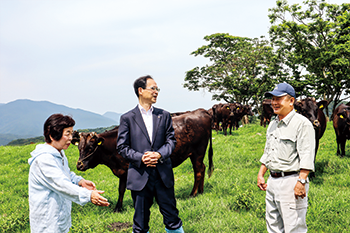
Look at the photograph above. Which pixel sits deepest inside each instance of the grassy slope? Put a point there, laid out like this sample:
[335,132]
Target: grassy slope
[231,201]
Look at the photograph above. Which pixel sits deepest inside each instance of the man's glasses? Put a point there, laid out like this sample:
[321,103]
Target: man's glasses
[154,89]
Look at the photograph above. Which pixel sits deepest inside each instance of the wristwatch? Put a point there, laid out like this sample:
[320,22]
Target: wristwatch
[302,181]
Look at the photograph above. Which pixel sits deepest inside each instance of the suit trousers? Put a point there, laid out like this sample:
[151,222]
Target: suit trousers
[165,197]
[285,213]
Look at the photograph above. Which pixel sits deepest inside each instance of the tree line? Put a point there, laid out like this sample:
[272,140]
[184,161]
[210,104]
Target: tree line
[309,48]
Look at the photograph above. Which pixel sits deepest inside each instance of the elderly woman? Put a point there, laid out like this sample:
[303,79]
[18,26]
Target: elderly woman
[52,186]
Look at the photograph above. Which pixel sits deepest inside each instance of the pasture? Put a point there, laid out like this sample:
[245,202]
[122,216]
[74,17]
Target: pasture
[231,201]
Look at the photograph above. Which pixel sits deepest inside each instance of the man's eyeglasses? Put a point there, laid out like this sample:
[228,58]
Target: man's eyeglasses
[154,89]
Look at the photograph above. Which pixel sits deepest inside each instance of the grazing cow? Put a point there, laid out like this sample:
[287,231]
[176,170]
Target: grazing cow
[222,114]
[267,112]
[341,124]
[192,132]
[241,110]
[314,112]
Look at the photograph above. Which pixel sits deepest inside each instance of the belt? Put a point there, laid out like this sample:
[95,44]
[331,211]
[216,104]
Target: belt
[282,174]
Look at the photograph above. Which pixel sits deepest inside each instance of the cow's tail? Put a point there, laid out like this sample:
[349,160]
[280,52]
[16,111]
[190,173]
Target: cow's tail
[210,156]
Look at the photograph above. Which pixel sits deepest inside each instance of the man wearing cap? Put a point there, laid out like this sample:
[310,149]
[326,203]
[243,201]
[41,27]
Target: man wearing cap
[289,155]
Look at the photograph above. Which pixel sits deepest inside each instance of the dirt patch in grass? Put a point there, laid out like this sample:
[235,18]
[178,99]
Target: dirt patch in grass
[118,226]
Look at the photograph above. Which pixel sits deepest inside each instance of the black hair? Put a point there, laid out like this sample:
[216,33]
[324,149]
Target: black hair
[141,82]
[54,126]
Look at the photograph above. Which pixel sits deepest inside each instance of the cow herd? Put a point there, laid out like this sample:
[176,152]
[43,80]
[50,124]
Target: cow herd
[193,132]
[229,115]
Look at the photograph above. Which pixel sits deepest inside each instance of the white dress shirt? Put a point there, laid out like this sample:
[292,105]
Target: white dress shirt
[147,119]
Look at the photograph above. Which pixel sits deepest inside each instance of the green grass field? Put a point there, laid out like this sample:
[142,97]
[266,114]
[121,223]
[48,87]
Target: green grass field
[231,201]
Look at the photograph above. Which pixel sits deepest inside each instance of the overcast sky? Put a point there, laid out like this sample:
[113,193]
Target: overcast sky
[86,54]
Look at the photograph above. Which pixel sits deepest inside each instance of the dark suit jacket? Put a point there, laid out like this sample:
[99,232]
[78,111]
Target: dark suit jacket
[133,141]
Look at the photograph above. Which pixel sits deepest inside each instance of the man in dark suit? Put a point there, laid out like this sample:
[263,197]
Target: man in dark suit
[146,139]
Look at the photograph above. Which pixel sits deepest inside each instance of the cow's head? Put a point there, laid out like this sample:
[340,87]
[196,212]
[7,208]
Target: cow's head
[88,144]
[309,108]
[344,115]
[235,108]
[228,109]
[247,110]
[239,108]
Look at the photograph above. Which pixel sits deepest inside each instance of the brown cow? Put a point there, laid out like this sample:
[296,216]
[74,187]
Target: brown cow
[192,132]
[267,112]
[178,113]
[314,112]
[341,124]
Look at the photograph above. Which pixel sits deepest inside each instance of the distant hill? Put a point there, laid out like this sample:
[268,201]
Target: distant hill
[26,141]
[25,118]
[113,115]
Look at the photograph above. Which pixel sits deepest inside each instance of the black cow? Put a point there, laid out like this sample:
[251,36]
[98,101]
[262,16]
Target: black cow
[267,112]
[313,111]
[341,124]
[98,149]
[241,110]
[192,132]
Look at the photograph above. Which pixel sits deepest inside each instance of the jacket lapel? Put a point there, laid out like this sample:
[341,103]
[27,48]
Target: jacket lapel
[156,120]
[139,121]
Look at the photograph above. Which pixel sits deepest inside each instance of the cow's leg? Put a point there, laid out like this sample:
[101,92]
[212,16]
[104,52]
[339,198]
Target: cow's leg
[338,145]
[216,125]
[224,127]
[199,174]
[201,184]
[121,189]
[230,128]
[342,147]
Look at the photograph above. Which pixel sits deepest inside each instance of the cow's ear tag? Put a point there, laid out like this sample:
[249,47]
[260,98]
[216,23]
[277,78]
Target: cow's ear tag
[228,108]
[237,108]
[296,110]
[341,116]
[77,143]
[321,106]
[99,143]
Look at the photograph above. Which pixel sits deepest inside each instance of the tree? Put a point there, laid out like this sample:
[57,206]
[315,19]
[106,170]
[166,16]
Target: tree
[314,43]
[241,69]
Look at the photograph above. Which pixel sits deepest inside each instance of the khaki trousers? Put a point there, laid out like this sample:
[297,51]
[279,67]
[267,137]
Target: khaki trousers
[285,213]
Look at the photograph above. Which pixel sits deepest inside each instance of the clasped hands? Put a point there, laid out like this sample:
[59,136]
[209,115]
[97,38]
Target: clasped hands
[96,198]
[150,158]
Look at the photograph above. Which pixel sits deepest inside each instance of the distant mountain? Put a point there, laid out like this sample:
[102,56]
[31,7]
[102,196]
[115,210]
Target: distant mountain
[113,115]
[25,118]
